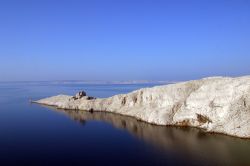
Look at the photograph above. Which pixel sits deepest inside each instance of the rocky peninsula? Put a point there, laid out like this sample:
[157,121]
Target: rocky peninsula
[215,104]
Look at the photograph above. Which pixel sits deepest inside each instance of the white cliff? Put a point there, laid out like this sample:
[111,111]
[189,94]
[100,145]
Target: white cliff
[217,104]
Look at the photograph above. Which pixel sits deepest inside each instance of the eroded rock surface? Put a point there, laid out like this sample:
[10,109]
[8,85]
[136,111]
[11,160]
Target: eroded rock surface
[216,104]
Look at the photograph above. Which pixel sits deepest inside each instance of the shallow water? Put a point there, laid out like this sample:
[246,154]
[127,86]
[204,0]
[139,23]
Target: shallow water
[31,134]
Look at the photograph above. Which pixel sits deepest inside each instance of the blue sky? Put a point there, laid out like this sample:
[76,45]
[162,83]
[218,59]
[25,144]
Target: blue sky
[123,39]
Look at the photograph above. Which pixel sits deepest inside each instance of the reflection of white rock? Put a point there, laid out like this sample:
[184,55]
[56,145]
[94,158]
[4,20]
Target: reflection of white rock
[190,143]
[215,104]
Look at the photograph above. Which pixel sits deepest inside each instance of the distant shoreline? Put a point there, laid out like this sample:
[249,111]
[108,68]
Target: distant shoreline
[94,82]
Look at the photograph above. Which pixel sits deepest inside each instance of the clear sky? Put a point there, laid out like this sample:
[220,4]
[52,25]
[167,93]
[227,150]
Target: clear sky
[123,39]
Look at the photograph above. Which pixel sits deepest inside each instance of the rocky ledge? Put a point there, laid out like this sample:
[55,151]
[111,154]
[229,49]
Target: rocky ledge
[216,104]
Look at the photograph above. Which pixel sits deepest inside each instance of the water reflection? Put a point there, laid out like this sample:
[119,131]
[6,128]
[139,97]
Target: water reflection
[189,143]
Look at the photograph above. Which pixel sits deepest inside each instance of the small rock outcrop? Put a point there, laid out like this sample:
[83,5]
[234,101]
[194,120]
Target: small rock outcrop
[79,95]
[216,104]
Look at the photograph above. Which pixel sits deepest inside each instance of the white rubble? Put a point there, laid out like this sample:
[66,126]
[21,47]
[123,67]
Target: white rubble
[216,104]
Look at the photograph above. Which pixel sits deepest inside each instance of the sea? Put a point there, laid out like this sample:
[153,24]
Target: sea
[36,135]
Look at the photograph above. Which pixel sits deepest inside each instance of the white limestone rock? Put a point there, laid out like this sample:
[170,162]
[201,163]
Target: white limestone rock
[216,104]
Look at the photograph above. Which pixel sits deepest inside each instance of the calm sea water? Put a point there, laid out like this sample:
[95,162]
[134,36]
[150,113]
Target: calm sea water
[31,134]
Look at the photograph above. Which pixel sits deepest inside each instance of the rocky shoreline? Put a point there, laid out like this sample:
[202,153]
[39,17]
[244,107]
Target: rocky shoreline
[216,104]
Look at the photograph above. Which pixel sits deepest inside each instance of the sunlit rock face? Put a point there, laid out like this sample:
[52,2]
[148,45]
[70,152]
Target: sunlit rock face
[217,104]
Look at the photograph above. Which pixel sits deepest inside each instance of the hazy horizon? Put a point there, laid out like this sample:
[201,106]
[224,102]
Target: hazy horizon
[96,81]
[119,81]
[123,40]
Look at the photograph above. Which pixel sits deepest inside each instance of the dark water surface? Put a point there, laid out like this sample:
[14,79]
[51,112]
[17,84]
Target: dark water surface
[31,134]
